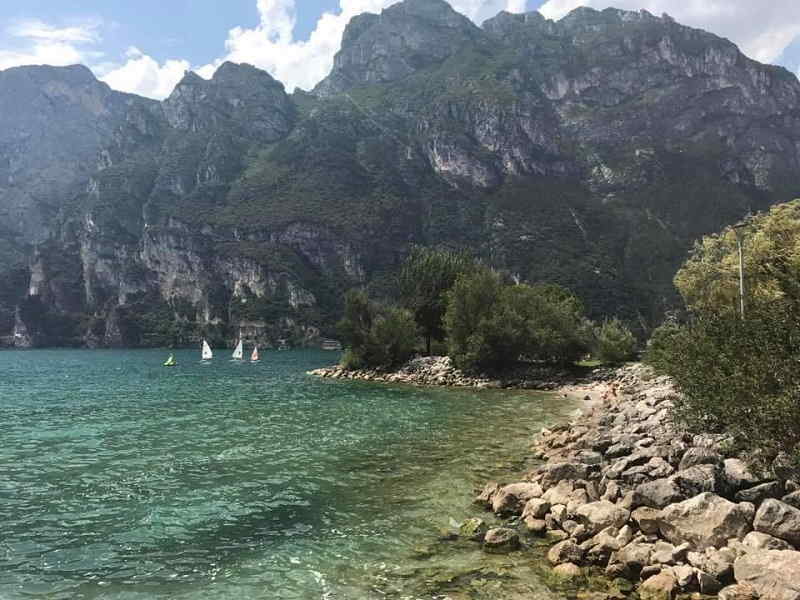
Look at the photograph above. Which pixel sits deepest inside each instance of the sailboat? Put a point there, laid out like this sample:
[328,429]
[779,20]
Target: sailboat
[239,352]
[207,354]
[170,362]
[254,356]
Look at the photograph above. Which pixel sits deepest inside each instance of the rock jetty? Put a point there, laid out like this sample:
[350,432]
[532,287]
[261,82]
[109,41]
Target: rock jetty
[624,490]
[440,371]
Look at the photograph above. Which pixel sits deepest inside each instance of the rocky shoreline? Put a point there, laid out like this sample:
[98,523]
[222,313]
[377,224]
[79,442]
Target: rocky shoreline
[623,491]
[439,371]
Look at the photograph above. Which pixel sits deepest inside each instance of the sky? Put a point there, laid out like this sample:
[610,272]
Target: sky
[144,47]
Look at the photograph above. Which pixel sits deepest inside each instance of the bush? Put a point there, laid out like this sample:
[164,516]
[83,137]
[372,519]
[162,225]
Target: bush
[738,377]
[613,342]
[376,336]
[490,325]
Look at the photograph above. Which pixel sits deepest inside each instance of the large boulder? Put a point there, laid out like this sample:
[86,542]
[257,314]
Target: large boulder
[706,520]
[780,520]
[511,499]
[599,515]
[774,574]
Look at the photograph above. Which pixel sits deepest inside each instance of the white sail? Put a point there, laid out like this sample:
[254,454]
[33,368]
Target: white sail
[239,352]
[254,355]
[207,354]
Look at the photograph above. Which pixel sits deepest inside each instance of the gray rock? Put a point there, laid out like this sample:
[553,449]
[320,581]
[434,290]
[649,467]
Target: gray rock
[633,557]
[663,553]
[659,493]
[535,526]
[759,493]
[566,551]
[663,586]
[755,540]
[500,540]
[684,576]
[738,592]
[487,494]
[647,519]
[700,456]
[599,515]
[563,471]
[708,583]
[567,571]
[738,475]
[779,520]
[536,508]
[792,499]
[560,493]
[706,520]
[511,499]
[773,574]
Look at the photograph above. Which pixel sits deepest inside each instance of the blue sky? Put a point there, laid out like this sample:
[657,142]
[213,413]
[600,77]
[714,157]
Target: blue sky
[146,45]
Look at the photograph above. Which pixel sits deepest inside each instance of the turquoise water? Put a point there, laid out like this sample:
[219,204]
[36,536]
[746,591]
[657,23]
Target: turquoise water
[121,479]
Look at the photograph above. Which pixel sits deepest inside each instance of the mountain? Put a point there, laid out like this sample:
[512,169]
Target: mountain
[590,151]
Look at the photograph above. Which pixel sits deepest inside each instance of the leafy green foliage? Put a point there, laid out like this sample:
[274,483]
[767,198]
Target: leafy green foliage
[425,278]
[737,377]
[613,342]
[491,325]
[376,336]
[709,280]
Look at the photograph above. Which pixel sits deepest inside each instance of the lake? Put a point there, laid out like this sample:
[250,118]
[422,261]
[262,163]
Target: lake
[123,479]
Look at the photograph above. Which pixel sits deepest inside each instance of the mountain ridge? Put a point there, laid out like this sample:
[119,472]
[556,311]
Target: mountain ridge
[589,151]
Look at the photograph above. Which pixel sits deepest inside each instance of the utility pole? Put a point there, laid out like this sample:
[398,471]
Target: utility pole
[738,229]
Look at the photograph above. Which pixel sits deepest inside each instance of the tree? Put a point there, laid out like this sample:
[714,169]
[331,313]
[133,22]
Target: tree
[471,300]
[424,280]
[709,280]
[375,335]
[613,342]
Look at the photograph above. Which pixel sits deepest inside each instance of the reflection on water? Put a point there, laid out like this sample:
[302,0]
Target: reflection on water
[125,480]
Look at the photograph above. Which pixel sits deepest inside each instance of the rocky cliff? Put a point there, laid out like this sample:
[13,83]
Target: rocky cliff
[590,151]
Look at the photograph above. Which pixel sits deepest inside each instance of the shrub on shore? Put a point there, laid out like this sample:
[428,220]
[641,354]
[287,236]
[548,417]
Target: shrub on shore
[375,335]
[739,374]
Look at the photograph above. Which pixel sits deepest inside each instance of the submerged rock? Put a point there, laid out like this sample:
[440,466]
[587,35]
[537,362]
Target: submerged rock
[500,540]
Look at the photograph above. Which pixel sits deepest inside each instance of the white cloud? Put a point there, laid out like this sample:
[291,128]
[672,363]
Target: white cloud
[761,29]
[303,63]
[39,30]
[141,74]
[42,44]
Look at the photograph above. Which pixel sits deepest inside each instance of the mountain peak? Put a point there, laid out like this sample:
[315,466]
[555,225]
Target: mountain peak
[405,38]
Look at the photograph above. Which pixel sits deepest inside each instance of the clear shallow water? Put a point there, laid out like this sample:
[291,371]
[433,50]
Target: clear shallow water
[121,479]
